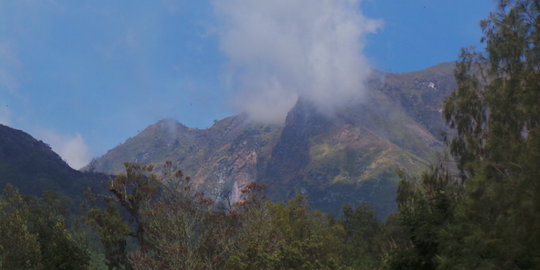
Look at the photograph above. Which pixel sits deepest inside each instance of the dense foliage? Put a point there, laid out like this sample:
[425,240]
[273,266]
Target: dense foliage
[496,113]
[34,235]
[488,216]
[172,227]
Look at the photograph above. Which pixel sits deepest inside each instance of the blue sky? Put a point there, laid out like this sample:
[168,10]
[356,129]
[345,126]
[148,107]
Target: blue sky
[86,75]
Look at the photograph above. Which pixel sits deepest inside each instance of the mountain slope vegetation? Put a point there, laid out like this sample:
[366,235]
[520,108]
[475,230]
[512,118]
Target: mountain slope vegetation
[32,167]
[350,156]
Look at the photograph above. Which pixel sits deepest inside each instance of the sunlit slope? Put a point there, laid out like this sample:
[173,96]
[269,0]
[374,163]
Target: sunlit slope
[348,156]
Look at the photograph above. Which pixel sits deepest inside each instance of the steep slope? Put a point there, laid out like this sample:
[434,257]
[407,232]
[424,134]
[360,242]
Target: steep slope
[421,93]
[227,154]
[350,156]
[33,167]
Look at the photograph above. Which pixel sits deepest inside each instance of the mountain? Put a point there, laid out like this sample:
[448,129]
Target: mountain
[33,167]
[421,94]
[350,156]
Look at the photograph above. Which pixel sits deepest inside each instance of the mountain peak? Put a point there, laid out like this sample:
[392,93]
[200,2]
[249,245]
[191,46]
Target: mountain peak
[170,125]
[348,156]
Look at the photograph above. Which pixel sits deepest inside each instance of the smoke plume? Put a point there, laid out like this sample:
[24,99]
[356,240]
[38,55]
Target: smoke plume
[279,50]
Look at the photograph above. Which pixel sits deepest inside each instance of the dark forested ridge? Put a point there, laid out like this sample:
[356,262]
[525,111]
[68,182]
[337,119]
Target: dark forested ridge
[33,167]
[39,200]
[482,213]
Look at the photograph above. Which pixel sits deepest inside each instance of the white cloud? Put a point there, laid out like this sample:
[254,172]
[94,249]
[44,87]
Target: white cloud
[281,49]
[72,148]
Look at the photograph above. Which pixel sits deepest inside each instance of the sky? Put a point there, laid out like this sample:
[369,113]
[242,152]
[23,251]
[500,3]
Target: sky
[84,76]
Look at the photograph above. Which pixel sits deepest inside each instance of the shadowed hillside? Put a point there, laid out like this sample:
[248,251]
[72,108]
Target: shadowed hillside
[33,167]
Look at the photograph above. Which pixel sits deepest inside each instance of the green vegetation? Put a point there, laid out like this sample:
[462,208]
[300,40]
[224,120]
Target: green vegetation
[170,226]
[34,235]
[487,217]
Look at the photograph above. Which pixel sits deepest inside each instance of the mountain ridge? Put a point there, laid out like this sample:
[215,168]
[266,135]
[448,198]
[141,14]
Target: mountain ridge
[33,167]
[352,154]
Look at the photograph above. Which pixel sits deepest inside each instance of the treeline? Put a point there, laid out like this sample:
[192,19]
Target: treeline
[152,220]
[35,234]
[173,227]
[156,221]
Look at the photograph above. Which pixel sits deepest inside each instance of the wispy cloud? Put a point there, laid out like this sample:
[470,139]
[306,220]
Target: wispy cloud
[72,148]
[281,49]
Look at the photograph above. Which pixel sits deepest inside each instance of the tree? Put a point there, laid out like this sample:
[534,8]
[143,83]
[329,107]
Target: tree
[425,207]
[34,235]
[287,236]
[362,242]
[496,115]
[182,229]
[59,249]
[173,226]
[18,245]
[112,231]
[130,194]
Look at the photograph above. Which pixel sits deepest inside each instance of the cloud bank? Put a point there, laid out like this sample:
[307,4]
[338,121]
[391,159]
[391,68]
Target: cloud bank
[73,149]
[281,49]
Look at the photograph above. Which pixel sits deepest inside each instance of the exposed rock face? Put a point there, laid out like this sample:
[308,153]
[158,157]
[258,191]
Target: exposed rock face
[350,156]
[243,172]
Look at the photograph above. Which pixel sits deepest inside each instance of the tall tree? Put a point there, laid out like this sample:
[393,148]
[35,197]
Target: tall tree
[287,236]
[34,235]
[496,114]
[362,245]
[425,207]
[182,230]
[19,247]
[122,217]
